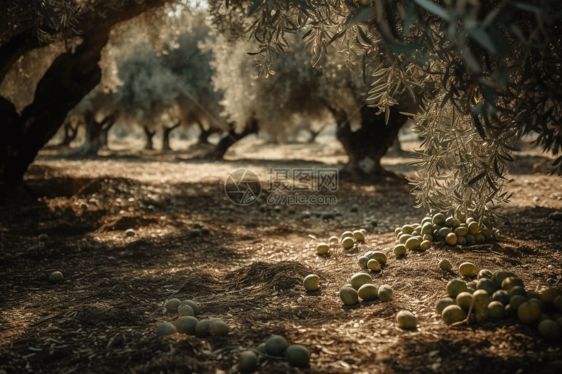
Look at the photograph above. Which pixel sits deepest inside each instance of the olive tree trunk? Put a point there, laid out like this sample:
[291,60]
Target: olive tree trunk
[204,134]
[314,133]
[104,135]
[149,138]
[230,139]
[96,134]
[70,133]
[366,146]
[166,136]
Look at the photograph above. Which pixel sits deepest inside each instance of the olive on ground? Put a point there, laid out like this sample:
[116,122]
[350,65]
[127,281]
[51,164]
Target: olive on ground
[368,292]
[467,269]
[359,279]
[172,305]
[193,306]
[218,328]
[445,265]
[374,265]
[202,327]
[502,296]
[549,295]
[451,239]
[347,243]
[452,314]
[276,345]
[165,328]
[549,330]
[349,296]
[509,283]
[322,248]
[487,285]
[496,309]
[385,293]
[362,262]
[406,319]
[359,236]
[247,361]
[311,282]
[455,287]
[412,243]
[484,273]
[443,303]
[517,290]
[297,355]
[56,277]
[346,234]
[400,250]
[516,301]
[439,219]
[528,312]
[465,300]
[185,310]
[186,325]
[379,256]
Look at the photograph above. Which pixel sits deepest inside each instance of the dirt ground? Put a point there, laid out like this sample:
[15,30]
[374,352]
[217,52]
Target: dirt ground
[248,271]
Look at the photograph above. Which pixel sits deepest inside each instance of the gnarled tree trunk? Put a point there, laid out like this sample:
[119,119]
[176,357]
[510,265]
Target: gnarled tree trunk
[230,139]
[204,134]
[94,135]
[366,146]
[149,136]
[69,78]
[104,135]
[66,82]
[166,136]
[69,134]
[314,134]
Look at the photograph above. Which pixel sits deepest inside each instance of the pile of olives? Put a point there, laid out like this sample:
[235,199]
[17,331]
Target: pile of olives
[499,295]
[347,240]
[277,347]
[188,324]
[457,230]
[362,286]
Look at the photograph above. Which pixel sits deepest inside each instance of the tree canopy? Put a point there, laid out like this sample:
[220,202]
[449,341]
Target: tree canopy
[490,71]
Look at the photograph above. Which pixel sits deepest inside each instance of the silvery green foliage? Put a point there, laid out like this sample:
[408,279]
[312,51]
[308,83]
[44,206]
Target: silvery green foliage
[495,65]
[458,170]
[155,71]
[291,88]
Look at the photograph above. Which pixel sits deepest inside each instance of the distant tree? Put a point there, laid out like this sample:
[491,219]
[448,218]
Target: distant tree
[293,88]
[99,115]
[146,92]
[190,65]
[175,84]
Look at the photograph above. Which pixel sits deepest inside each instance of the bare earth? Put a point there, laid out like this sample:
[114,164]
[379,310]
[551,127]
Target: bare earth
[248,271]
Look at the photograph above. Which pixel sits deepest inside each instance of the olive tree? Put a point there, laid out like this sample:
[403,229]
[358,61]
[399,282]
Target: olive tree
[489,72]
[82,30]
[170,84]
[293,89]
